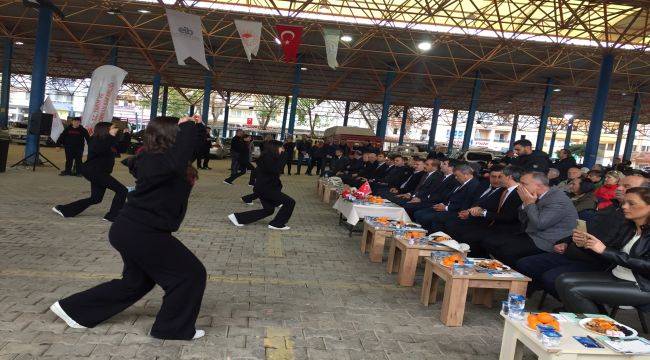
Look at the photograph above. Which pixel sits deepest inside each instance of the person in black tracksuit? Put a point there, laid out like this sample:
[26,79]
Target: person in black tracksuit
[244,161]
[142,234]
[73,138]
[268,188]
[97,169]
[202,151]
[289,147]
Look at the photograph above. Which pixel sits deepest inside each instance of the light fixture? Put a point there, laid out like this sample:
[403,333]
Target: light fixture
[19,43]
[346,38]
[114,11]
[144,11]
[568,116]
[424,46]
[277,41]
[303,68]
[557,90]
[624,94]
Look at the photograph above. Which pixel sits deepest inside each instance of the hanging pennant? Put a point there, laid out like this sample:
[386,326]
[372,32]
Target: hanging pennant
[250,33]
[187,36]
[332,37]
[290,38]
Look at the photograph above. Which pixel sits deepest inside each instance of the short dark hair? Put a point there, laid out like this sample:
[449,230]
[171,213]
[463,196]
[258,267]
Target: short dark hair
[513,171]
[160,134]
[101,129]
[464,168]
[524,143]
[498,168]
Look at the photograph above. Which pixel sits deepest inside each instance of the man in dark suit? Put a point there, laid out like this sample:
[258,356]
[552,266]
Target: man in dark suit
[436,193]
[460,198]
[548,218]
[368,165]
[504,218]
[339,163]
[382,166]
[431,178]
[410,183]
[394,177]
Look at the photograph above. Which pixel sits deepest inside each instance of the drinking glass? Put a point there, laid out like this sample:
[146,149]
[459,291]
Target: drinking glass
[516,305]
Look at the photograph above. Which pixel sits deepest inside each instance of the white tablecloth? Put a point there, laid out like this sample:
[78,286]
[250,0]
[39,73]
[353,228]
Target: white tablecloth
[355,212]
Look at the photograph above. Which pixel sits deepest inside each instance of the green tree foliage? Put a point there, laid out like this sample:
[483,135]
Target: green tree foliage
[267,108]
[306,114]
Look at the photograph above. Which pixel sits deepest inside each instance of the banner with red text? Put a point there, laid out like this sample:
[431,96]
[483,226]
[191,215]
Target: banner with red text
[104,86]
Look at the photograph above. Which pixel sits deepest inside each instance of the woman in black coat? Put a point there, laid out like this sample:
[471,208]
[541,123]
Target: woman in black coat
[628,282]
[268,188]
[97,169]
[142,234]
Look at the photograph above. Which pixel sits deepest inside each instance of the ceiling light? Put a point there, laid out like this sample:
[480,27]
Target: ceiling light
[346,38]
[424,46]
[19,43]
[624,94]
[557,90]
[114,11]
[568,116]
[303,68]
[144,11]
[277,41]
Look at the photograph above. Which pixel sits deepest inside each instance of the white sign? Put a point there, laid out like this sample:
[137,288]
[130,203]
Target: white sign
[250,33]
[104,85]
[332,37]
[57,124]
[187,36]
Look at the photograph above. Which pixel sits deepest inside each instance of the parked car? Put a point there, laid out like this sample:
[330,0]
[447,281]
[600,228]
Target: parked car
[410,151]
[474,156]
[218,150]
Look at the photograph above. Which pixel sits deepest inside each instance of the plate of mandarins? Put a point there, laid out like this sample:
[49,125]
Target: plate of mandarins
[542,318]
[450,260]
[607,327]
[489,264]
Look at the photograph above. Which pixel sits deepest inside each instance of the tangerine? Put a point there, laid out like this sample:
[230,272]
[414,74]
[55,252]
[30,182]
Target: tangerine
[545,318]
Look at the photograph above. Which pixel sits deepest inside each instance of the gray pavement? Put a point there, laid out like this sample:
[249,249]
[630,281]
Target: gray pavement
[302,294]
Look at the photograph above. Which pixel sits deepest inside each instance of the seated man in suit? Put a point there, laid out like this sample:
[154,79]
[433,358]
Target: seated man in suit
[547,215]
[356,179]
[339,164]
[431,178]
[410,183]
[438,191]
[486,198]
[433,218]
[395,176]
[502,219]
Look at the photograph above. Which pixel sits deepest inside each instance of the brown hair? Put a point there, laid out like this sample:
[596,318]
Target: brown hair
[101,130]
[643,192]
[160,134]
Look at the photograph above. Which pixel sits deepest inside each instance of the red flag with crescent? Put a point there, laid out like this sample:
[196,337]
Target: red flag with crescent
[290,37]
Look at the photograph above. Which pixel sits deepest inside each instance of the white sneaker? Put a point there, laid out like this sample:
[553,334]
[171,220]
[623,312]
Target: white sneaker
[58,310]
[198,334]
[247,203]
[233,220]
[279,228]
[58,211]
[227,183]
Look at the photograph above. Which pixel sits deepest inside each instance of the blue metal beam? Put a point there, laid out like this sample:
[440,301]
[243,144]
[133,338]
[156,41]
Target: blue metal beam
[567,137]
[543,118]
[155,94]
[469,129]
[631,129]
[6,82]
[163,108]
[383,121]
[550,148]
[434,124]
[207,91]
[452,132]
[346,115]
[402,129]
[39,73]
[226,114]
[619,139]
[513,132]
[285,115]
[295,93]
[598,113]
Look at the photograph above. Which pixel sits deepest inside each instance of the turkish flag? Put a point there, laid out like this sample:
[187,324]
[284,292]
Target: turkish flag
[290,37]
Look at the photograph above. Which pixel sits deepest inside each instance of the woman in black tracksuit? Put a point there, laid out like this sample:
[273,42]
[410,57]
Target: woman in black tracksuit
[268,188]
[142,234]
[97,169]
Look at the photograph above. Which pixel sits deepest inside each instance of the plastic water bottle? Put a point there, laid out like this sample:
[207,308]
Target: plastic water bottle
[516,305]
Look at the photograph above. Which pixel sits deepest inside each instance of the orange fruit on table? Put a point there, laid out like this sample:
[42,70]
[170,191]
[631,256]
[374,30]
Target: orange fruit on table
[545,318]
[555,324]
[532,321]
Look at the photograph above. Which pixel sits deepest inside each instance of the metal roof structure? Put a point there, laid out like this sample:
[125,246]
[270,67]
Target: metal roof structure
[515,46]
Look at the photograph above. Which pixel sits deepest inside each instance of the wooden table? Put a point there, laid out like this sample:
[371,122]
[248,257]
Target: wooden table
[320,187]
[330,193]
[453,302]
[516,336]
[403,258]
[373,239]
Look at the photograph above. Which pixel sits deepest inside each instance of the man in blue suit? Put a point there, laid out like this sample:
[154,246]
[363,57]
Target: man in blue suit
[460,198]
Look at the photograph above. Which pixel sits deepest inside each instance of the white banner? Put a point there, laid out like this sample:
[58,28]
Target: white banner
[332,37]
[104,85]
[250,33]
[57,124]
[187,36]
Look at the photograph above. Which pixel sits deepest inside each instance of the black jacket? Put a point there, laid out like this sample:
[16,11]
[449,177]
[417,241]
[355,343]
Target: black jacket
[563,167]
[439,193]
[367,170]
[396,176]
[288,149]
[303,145]
[505,219]
[412,181]
[380,171]
[638,260]
[101,156]
[162,187]
[536,161]
[461,198]
[354,166]
[73,138]
[339,164]
[238,145]
[428,185]
[269,167]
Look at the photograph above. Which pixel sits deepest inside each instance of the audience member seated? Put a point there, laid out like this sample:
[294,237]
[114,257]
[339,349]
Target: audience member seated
[431,179]
[437,192]
[528,159]
[547,217]
[397,173]
[434,217]
[338,164]
[582,195]
[628,283]
[564,163]
[607,191]
[607,225]
[596,177]
[573,173]
[409,185]
[553,177]
[352,178]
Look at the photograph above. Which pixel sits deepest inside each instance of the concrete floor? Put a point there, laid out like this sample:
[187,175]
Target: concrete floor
[302,294]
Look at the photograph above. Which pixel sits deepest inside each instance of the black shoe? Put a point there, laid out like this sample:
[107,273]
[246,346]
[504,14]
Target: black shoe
[64,173]
[78,174]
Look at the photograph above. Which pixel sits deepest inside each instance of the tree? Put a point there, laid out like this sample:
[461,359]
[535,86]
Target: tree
[218,103]
[177,105]
[307,114]
[267,107]
[577,150]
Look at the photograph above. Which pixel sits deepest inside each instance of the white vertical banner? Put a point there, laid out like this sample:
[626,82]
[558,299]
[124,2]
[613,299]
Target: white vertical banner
[250,33]
[187,36]
[104,85]
[332,37]
[57,124]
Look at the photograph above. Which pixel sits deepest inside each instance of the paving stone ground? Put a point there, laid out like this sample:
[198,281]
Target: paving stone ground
[302,294]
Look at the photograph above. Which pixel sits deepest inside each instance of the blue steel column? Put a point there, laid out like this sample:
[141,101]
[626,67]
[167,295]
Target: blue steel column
[631,128]
[207,90]
[598,114]
[155,93]
[469,129]
[39,73]
[163,108]
[112,57]
[295,92]
[567,137]
[619,139]
[434,124]
[383,121]
[402,128]
[226,114]
[192,110]
[550,148]
[513,132]
[346,115]
[6,82]
[452,132]
[543,118]
[285,115]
